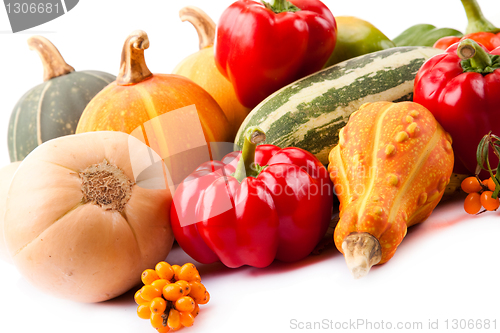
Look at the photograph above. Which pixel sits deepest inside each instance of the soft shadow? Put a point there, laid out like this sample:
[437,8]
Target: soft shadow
[126,299]
[279,267]
[444,215]
[179,257]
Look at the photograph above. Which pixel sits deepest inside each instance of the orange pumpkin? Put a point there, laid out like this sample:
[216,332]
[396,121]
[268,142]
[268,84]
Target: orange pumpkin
[200,67]
[138,96]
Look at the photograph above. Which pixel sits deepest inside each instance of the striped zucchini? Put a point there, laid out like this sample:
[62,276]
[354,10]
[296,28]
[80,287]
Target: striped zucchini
[310,112]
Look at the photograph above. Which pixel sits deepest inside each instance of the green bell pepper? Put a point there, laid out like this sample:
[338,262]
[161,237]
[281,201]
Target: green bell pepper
[424,35]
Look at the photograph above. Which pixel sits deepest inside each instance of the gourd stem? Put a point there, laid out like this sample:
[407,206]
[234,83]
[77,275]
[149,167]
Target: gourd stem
[478,57]
[204,25]
[361,252]
[476,20]
[53,62]
[133,67]
[246,165]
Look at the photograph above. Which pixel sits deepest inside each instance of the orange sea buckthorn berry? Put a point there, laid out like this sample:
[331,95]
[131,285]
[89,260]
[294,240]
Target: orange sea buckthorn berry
[197,290]
[196,310]
[472,203]
[156,320]
[187,319]
[471,185]
[174,319]
[488,202]
[188,272]
[165,329]
[160,283]
[148,276]
[205,299]
[149,292]
[185,304]
[185,285]
[177,270]
[143,311]
[164,270]
[173,291]
[491,184]
[158,305]
[138,299]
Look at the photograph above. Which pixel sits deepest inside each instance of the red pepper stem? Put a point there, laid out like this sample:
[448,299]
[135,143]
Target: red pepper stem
[246,165]
[280,6]
[476,20]
[478,57]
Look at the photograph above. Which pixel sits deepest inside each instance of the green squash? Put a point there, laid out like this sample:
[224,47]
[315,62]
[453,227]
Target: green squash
[53,108]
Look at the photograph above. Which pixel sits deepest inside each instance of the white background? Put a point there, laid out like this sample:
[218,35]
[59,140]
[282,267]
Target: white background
[445,269]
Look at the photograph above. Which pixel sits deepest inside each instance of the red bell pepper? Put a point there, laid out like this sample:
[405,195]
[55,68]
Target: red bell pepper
[488,39]
[270,204]
[461,87]
[261,47]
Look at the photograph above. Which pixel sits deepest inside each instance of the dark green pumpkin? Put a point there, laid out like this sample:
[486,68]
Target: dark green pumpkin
[53,108]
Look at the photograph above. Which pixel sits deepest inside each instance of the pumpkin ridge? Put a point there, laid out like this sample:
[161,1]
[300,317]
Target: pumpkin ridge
[153,114]
[59,165]
[39,113]
[344,173]
[123,213]
[374,149]
[58,219]
[14,134]
[90,73]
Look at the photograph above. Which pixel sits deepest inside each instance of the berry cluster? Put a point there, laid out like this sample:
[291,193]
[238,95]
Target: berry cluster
[170,296]
[480,195]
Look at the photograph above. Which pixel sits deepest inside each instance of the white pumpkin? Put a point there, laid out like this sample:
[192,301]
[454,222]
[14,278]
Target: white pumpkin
[82,222]
[6,174]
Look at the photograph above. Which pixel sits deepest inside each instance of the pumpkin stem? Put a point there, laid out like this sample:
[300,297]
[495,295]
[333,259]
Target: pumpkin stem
[53,62]
[204,25]
[133,67]
[361,252]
